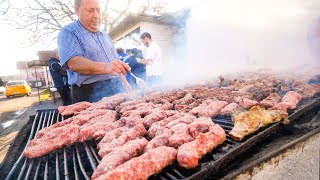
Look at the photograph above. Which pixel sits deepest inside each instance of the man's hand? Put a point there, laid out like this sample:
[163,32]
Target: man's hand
[63,71]
[85,66]
[119,67]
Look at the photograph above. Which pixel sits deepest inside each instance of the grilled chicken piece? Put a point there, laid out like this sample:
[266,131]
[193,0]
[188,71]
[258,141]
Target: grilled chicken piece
[247,122]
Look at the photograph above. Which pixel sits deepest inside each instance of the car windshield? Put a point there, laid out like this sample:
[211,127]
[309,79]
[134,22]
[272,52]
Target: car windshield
[13,83]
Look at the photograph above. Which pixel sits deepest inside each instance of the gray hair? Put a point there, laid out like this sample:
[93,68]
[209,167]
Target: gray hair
[77,3]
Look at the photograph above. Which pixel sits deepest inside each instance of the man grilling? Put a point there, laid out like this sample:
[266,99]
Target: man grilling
[88,53]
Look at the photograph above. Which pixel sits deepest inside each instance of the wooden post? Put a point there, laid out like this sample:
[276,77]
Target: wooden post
[35,70]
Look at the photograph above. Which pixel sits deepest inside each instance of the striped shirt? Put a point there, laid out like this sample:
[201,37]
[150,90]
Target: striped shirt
[75,40]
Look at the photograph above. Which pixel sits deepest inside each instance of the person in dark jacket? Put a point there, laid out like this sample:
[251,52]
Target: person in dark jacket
[137,69]
[121,54]
[60,79]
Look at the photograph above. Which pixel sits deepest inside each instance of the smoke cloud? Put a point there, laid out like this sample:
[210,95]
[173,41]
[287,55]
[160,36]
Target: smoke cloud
[235,36]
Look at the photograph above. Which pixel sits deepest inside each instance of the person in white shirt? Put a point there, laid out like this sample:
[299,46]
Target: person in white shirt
[152,59]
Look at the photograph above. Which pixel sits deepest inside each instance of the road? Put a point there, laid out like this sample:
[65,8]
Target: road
[17,102]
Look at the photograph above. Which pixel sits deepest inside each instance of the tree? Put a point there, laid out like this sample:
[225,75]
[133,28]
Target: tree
[42,19]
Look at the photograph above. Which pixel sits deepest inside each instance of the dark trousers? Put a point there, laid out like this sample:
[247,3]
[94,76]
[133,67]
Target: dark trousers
[96,91]
[65,95]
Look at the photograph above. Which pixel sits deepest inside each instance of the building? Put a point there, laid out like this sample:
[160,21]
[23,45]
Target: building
[167,30]
[36,72]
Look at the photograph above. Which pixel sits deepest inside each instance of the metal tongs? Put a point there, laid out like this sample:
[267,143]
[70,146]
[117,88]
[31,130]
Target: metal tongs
[140,82]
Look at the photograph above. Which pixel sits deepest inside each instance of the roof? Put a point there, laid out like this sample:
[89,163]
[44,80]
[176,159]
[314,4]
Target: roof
[21,64]
[38,63]
[44,57]
[176,19]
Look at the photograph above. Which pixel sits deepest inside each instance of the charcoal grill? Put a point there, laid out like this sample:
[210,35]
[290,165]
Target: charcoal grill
[80,160]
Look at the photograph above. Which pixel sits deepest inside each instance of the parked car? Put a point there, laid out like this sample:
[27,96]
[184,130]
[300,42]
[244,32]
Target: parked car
[2,89]
[20,87]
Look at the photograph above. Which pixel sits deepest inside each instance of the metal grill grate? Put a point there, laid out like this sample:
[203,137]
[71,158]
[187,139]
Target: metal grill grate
[75,162]
[80,160]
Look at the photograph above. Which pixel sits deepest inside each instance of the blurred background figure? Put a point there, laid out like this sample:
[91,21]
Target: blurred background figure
[137,69]
[152,59]
[128,53]
[60,78]
[121,54]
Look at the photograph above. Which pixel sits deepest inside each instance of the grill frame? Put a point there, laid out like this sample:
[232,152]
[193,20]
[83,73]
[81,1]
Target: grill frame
[206,169]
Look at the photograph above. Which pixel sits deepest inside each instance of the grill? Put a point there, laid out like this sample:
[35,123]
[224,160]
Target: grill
[80,160]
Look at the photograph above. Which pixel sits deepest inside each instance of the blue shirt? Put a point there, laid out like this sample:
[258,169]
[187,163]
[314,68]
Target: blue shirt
[122,55]
[75,40]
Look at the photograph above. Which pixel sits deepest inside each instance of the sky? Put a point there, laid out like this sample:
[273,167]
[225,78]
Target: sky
[12,50]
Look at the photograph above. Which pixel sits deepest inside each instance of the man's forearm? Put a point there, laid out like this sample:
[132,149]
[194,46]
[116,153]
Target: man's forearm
[85,66]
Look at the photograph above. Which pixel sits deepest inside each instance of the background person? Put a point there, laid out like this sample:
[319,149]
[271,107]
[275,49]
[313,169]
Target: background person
[121,54]
[89,55]
[137,69]
[152,59]
[60,79]
[128,53]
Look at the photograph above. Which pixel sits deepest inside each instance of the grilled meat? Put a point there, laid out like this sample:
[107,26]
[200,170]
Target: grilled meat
[159,127]
[55,139]
[208,108]
[288,101]
[69,131]
[292,99]
[131,134]
[119,156]
[111,135]
[102,123]
[271,100]
[190,132]
[161,140]
[187,99]
[228,109]
[247,103]
[247,122]
[142,167]
[155,116]
[190,153]
[73,108]
[172,121]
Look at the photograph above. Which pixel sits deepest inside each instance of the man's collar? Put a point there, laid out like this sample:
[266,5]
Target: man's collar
[85,30]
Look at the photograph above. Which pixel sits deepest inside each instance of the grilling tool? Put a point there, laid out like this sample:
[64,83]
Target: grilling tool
[140,82]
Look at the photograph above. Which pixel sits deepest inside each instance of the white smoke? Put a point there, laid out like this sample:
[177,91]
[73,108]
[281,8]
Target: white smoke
[233,36]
